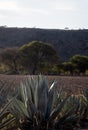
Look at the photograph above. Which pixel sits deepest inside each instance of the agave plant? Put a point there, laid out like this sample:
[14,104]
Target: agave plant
[37,105]
[40,107]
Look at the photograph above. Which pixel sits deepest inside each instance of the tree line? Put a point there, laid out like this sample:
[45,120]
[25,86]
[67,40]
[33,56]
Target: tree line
[37,57]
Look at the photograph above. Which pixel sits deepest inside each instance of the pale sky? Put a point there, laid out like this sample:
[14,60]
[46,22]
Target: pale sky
[56,14]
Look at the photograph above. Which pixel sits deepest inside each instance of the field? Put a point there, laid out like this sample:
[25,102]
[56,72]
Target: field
[72,84]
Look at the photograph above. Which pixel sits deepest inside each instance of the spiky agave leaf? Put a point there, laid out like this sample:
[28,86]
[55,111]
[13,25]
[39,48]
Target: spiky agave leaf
[7,122]
[31,109]
[25,107]
[3,89]
[67,117]
[41,94]
[22,94]
[74,102]
[85,93]
[57,110]
[52,96]
[20,107]
[4,113]
[29,83]
[6,107]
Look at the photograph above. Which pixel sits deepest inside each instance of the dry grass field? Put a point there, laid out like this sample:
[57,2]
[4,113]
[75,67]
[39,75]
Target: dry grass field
[72,84]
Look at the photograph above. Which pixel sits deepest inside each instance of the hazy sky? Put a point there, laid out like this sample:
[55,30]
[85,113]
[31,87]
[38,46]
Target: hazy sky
[44,13]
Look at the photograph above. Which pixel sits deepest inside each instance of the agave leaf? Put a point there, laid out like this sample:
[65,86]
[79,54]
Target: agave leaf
[36,92]
[20,106]
[84,101]
[41,94]
[71,119]
[64,117]
[6,107]
[2,100]
[57,110]
[31,109]
[30,87]
[7,122]
[22,94]
[14,111]
[52,93]
[4,115]
[36,96]
[85,92]
[82,110]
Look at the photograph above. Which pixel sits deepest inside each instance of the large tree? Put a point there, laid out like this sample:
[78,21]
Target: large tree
[35,53]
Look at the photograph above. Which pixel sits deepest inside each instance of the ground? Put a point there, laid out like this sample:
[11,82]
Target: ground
[72,84]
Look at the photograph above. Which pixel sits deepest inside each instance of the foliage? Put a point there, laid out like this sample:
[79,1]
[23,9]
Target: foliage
[76,65]
[35,53]
[36,57]
[81,62]
[9,57]
[68,66]
[86,72]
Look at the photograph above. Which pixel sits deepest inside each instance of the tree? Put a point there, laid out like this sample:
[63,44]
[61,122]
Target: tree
[9,57]
[35,53]
[68,66]
[81,62]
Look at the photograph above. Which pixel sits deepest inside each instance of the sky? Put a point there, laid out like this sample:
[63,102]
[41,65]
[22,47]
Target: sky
[57,14]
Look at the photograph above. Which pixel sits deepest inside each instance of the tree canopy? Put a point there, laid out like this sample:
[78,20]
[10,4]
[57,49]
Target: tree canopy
[35,53]
[81,62]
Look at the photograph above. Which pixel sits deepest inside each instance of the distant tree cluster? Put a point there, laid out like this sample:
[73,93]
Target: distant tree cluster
[77,64]
[38,57]
[29,57]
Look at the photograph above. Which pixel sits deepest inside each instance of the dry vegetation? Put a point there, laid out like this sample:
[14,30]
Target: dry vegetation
[70,84]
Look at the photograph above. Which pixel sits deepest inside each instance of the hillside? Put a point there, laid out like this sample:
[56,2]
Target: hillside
[66,42]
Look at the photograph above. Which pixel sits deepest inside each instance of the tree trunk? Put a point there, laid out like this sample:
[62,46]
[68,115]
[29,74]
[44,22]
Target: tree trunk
[34,69]
[15,65]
